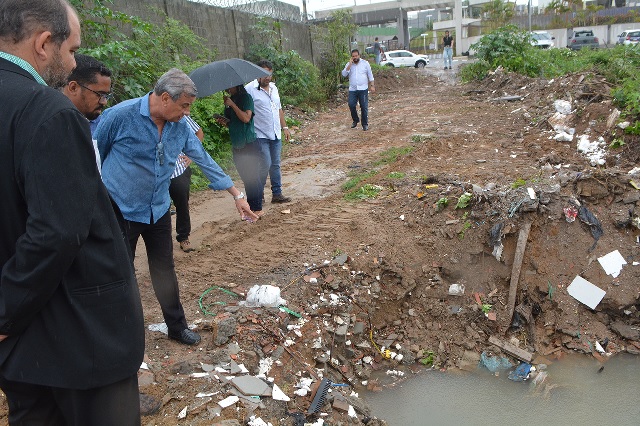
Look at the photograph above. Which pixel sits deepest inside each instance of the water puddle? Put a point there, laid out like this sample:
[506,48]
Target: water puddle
[575,393]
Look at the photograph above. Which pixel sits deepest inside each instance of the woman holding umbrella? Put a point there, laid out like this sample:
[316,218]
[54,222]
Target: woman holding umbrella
[247,157]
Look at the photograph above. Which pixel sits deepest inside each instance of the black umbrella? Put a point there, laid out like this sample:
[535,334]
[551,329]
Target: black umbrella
[221,75]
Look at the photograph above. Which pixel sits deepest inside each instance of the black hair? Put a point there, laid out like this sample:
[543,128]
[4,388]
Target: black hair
[264,63]
[355,50]
[21,18]
[87,69]
[239,95]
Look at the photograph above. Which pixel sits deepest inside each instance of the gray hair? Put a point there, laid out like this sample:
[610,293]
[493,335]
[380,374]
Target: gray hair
[19,19]
[176,83]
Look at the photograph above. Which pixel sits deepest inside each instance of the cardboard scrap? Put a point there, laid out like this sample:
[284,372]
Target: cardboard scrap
[585,292]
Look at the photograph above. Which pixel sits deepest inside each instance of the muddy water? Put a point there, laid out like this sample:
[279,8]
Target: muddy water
[577,394]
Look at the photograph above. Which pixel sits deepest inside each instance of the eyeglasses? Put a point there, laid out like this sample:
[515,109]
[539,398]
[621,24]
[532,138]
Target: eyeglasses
[160,153]
[103,96]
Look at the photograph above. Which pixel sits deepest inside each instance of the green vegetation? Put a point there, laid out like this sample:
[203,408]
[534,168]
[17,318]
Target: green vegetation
[396,175]
[428,359]
[356,179]
[463,201]
[365,191]
[391,155]
[510,48]
[465,226]
[442,203]
[518,183]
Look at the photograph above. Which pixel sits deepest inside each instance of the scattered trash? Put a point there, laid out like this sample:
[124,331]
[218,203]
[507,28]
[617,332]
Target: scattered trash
[585,292]
[320,396]
[227,402]
[570,213]
[495,235]
[594,224]
[612,263]
[183,413]
[161,327]
[562,106]
[532,193]
[456,289]
[278,394]
[594,151]
[494,363]
[521,373]
[263,295]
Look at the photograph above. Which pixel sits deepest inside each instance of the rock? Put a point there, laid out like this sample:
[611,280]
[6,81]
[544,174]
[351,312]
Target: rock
[631,197]
[145,378]
[225,327]
[469,360]
[626,331]
[358,328]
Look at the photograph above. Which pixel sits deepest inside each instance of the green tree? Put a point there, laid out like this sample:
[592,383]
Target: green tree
[498,13]
[298,80]
[335,36]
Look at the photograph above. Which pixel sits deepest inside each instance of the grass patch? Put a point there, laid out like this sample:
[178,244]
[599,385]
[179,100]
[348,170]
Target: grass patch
[421,138]
[391,155]
[463,201]
[518,183]
[365,191]
[356,179]
[396,175]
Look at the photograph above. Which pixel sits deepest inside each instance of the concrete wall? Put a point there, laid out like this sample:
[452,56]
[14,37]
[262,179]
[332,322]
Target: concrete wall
[226,31]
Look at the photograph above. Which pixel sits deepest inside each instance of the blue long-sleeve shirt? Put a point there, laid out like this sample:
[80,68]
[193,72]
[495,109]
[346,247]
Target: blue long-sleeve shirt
[137,164]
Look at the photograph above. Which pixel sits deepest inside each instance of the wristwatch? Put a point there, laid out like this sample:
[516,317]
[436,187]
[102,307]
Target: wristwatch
[240,196]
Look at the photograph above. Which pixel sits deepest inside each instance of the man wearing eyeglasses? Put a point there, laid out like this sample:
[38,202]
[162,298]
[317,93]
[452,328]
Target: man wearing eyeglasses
[89,88]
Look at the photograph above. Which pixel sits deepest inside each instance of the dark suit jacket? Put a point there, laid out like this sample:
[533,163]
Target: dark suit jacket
[68,296]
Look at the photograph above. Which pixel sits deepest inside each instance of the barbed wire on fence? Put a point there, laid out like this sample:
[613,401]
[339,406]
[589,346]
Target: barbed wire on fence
[271,8]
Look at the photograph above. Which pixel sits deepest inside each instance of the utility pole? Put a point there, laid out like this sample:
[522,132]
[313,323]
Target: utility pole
[529,6]
[304,10]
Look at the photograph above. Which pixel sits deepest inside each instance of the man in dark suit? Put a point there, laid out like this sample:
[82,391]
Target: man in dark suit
[71,326]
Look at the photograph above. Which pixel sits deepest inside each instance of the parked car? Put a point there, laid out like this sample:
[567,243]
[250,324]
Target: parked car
[404,58]
[629,37]
[583,38]
[369,50]
[542,39]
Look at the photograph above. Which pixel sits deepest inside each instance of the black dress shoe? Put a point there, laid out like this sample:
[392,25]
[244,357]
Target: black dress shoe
[365,127]
[186,337]
[279,198]
[354,124]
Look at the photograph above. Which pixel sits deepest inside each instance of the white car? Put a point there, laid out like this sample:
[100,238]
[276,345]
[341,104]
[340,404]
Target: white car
[629,37]
[542,39]
[404,58]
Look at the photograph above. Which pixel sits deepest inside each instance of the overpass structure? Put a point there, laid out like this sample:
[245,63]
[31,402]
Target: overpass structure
[396,11]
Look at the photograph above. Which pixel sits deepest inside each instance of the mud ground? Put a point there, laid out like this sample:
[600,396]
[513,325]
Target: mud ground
[376,272]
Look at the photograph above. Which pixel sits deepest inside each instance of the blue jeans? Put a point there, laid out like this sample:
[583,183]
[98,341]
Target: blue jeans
[249,161]
[448,54]
[361,96]
[378,57]
[270,149]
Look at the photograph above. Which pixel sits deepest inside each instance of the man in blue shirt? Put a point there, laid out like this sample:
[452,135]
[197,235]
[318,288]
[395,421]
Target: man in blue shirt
[360,82]
[139,142]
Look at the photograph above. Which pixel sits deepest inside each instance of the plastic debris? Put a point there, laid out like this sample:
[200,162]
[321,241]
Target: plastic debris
[562,106]
[495,235]
[521,373]
[612,263]
[263,295]
[594,224]
[494,363]
[570,214]
[456,289]
[585,292]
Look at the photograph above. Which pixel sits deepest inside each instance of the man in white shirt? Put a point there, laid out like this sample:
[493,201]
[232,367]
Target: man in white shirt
[360,82]
[269,124]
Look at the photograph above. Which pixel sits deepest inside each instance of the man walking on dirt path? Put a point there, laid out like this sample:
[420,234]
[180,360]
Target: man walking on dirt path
[269,124]
[377,50]
[360,82]
[448,43]
[71,324]
[139,142]
[89,88]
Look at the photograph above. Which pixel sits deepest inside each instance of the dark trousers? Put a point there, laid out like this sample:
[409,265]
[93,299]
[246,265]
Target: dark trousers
[179,193]
[157,240]
[110,405]
[361,96]
[249,162]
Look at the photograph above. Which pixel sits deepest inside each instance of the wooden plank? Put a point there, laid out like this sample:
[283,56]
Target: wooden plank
[515,351]
[515,271]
